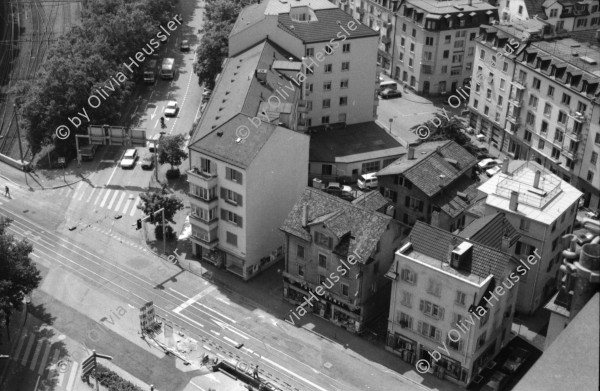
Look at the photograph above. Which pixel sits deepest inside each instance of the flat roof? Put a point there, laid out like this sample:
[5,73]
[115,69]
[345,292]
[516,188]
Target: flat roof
[449,7]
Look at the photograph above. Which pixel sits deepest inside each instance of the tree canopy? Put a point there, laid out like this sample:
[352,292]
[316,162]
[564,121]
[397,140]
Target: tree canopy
[151,202]
[171,150]
[18,274]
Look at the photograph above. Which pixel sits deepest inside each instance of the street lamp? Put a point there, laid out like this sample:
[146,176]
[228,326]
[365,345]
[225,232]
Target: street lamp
[391,120]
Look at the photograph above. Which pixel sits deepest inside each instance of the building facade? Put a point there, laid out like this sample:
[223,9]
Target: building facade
[452,303]
[542,208]
[538,100]
[340,251]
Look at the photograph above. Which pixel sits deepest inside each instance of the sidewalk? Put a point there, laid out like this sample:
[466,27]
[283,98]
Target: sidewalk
[45,179]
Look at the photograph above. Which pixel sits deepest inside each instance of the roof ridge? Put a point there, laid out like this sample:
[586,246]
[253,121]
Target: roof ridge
[349,204]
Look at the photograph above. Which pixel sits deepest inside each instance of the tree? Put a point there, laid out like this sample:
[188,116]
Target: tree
[151,202]
[18,275]
[171,150]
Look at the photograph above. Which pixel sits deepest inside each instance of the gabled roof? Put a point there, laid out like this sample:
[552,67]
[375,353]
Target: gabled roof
[359,228]
[534,7]
[329,23]
[372,200]
[402,164]
[435,172]
[458,196]
[489,230]
[436,243]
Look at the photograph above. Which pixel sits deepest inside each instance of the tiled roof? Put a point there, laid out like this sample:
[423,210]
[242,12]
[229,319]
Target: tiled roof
[364,226]
[435,243]
[489,230]
[427,173]
[329,23]
[356,139]
[249,16]
[534,7]
[402,164]
[372,200]
[459,196]
[448,7]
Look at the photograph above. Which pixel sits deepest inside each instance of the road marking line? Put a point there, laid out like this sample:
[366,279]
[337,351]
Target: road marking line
[36,355]
[91,195]
[72,376]
[230,328]
[207,348]
[77,188]
[137,201]
[191,320]
[112,201]
[223,300]
[28,349]
[120,201]
[292,373]
[104,199]
[191,301]
[19,347]
[126,205]
[45,355]
[197,386]
[214,332]
[99,195]
[231,340]
[46,242]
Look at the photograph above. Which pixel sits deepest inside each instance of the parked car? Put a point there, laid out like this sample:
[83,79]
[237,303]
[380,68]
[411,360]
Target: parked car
[497,382]
[367,181]
[337,189]
[151,142]
[185,46]
[171,109]
[206,95]
[388,93]
[488,163]
[148,161]
[515,360]
[129,158]
[493,171]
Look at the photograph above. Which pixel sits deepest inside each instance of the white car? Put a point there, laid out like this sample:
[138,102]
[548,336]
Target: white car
[488,163]
[129,158]
[335,187]
[171,109]
[493,171]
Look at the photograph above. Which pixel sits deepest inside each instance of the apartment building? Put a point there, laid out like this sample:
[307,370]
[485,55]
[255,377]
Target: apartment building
[339,250]
[434,182]
[435,43]
[559,15]
[336,52]
[542,208]
[246,173]
[381,16]
[539,101]
[452,302]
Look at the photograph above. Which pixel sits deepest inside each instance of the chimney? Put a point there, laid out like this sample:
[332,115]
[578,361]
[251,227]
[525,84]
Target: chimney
[514,200]
[588,277]
[505,166]
[536,180]
[411,153]
[304,215]
[435,219]
[505,244]
[442,177]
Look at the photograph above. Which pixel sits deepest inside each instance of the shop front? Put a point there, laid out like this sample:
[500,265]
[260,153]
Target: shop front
[403,347]
[444,367]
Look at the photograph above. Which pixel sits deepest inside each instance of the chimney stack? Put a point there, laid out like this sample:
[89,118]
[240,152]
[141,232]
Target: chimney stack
[505,166]
[536,180]
[411,153]
[514,200]
[505,244]
[304,215]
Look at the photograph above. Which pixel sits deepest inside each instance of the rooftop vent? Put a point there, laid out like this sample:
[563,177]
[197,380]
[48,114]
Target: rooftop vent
[463,196]
[461,254]
[454,162]
[588,60]
[220,133]
[261,75]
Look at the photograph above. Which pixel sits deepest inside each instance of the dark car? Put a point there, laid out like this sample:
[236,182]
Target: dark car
[515,360]
[185,46]
[148,161]
[497,382]
[389,93]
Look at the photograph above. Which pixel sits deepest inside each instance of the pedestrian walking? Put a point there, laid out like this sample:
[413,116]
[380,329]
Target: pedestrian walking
[6,191]
[255,374]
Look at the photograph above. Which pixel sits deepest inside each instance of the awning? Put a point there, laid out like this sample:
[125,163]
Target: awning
[432,16]
[490,12]
[472,14]
[460,15]
[447,16]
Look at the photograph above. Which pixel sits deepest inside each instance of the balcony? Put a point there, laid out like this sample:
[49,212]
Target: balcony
[303,106]
[204,224]
[519,85]
[201,178]
[206,241]
[386,40]
[302,125]
[570,153]
[577,116]
[573,135]
[360,10]
[516,100]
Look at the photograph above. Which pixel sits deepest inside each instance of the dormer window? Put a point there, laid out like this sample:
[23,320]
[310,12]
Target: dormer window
[323,240]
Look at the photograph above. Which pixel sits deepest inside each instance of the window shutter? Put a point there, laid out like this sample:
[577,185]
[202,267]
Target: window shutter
[238,199]
[407,201]
[421,305]
[420,327]
[460,345]
[223,214]
[213,167]
[438,335]
[240,221]
[223,193]
[441,314]
[227,173]
[240,178]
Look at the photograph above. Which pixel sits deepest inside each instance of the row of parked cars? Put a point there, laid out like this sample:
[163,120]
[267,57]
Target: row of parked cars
[131,156]
[500,378]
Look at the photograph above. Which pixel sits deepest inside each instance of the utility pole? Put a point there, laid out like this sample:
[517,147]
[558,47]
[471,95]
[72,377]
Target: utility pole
[162,212]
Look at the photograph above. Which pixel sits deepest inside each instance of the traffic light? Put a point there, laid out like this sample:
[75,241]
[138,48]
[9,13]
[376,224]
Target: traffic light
[139,223]
[152,217]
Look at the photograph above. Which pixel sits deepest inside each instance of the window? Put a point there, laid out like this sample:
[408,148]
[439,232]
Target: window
[410,62]
[231,217]
[429,331]
[524,225]
[488,94]
[231,239]
[594,158]
[447,38]
[553,12]
[402,41]
[550,91]
[533,101]
[344,83]
[326,103]
[472,37]
[445,70]
[505,67]
[559,136]
[414,32]
[484,319]
[346,66]
[328,68]
[323,240]
[454,345]
[530,118]
[457,57]
[566,99]
[597,138]
[502,84]
[500,100]
[427,56]
[327,86]
[428,41]
[346,48]
[481,339]
[323,261]
[486,111]
[322,280]
[544,128]
[446,54]
[343,100]
[469,66]
[345,289]
[520,10]
[459,44]
[497,117]
[404,27]
[408,276]
[434,288]
[590,176]
[301,270]
[414,203]
[233,175]
[231,196]
[461,297]
[328,50]
[527,136]
[475,103]
[342,117]
[401,57]
[547,109]
[405,321]
[406,299]
[300,251]
[206,166]
[325,119]
[370,167]
[482,55]
[412,47]
[430,309]
[470,52]
[310,52]
[536,83]
[562,117]
[541,143]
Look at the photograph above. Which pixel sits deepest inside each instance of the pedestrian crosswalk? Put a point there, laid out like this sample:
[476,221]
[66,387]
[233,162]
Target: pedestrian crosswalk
[43,358]
[120,201]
